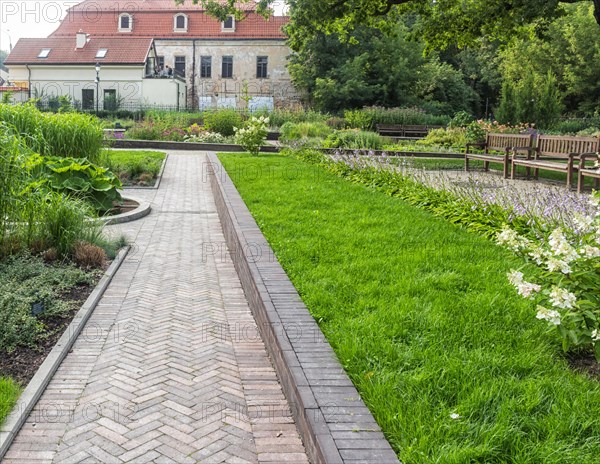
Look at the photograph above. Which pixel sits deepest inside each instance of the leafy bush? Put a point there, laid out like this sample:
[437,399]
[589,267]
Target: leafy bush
[130,165]
[576,126]
[77,178]
[460,119]
[302,130]
[253,135]
[368,118]
[278,117]
[566,295]
[223,121]
[145,130]
[450,138]
[355,139]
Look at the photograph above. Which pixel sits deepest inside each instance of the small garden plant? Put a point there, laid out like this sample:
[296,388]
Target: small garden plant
[253,135]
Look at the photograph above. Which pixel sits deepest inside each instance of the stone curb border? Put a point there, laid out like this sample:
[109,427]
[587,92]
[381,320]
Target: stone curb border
[41,379]
[164,145]
[335,425]
[156,183]
[141,211]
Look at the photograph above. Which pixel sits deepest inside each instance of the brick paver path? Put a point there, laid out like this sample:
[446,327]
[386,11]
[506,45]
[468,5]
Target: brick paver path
[169,368]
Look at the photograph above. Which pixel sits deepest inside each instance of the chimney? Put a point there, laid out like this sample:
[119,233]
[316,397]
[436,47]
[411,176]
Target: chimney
[82,39]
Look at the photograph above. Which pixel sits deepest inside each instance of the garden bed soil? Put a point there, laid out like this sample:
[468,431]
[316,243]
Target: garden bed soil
[585,363]
[22,364]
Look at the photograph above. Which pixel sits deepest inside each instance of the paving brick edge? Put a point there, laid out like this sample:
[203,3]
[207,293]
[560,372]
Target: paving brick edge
[335,425]
[42,377]
[141,211]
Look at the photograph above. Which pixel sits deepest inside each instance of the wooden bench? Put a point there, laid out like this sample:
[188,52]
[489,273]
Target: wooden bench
[556,153]
[588,172]
[504,145]
[390,129]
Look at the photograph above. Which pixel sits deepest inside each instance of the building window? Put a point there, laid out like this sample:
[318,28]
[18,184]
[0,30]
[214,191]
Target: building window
[205,66]
[160,64]
[101,53]
[261,67]
[87,99]
[44,53]
[229,24]
[110,100]
[227,66]
[180,23]
[125,22]
[180,66]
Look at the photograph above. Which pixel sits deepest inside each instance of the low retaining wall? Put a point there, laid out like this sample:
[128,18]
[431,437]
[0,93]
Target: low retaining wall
[335,425]
[162,145]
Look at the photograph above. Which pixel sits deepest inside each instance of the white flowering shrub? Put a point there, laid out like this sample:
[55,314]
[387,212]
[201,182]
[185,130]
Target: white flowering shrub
[567,291]
[253,135]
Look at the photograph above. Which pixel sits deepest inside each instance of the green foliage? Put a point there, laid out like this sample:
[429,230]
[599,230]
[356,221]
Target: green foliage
[64,134]
[368,118]
[355,139]
[419,314]
[303,130]
[223,121]
[253,135]
[533,99]
[460,119]
[25,280]
[9,393]
[576,126]
[130,165]
[451,138]
[76,178]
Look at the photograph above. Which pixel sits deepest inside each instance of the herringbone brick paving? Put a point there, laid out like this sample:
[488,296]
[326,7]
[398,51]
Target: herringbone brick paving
[170,367]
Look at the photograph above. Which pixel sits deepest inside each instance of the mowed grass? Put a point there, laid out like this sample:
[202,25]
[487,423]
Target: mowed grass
[420,314]
[134,166]
[9,393]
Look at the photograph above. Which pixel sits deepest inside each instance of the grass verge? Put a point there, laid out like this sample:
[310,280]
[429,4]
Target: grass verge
[9,393]
[135,167]
[452,363]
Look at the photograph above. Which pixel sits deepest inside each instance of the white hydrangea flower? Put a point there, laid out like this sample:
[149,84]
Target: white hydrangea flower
[561,298]
[589,251]
[554,264]
[596,335]
[454,416]
[584,223]
[515,277]
[510,239]
[594,199]
[561,247]
[537,254]
[549,315]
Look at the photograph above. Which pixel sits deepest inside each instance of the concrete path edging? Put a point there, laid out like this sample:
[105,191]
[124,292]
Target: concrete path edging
[41,379]
[335,425]
[141,211]
[196,146]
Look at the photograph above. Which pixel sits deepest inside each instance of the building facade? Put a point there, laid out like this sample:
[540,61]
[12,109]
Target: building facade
[234,63]
[93,73]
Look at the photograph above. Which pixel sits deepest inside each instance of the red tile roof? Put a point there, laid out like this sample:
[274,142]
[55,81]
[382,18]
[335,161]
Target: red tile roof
[154,18]
[123,50]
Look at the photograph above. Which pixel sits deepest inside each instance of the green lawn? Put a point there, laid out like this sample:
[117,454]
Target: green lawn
[135,167]
[421,316]
[9,393]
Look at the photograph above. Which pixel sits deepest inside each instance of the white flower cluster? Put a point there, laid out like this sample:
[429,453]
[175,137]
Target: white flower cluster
[510,239]
[549,315]
[525,289]
[562,299]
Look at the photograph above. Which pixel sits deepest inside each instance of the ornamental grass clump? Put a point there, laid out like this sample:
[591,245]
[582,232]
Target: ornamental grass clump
[567,282]
[253,135]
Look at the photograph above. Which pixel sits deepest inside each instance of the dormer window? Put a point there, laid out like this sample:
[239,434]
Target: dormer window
[125,22]
[44,53]
[101,53]
[180,23]
[228,25]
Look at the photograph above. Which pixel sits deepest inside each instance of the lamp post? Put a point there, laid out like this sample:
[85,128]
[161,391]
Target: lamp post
[97,86]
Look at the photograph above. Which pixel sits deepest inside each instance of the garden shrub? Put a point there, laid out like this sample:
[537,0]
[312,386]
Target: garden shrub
[368,118]
[223,121]
[302,130]
[253,135]
[88,256]
[355,139]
